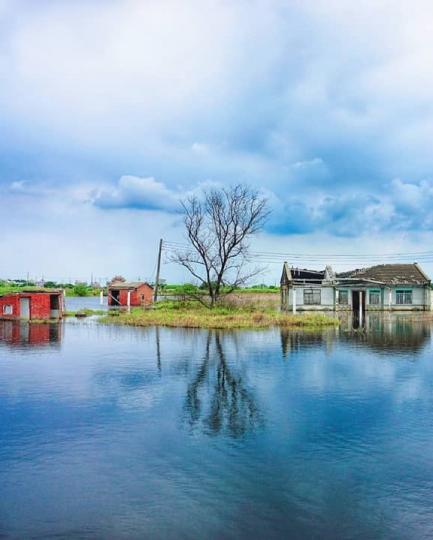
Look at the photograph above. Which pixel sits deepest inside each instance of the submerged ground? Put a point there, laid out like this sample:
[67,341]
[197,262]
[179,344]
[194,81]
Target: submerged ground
[120,432]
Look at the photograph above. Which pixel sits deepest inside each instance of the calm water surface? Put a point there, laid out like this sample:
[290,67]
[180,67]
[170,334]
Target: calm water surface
[112,432]
[75,303]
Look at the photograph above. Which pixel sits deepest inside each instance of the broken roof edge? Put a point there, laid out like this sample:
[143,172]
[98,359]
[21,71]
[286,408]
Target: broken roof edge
[388,274]
[286,274]
[421,271]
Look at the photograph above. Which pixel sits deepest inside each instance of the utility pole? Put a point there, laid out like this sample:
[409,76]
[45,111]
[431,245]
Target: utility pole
[158,268]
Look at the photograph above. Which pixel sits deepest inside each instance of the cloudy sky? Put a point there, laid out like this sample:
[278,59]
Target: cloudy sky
[112,110]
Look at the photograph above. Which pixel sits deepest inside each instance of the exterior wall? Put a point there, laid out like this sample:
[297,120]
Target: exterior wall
[10,300]
[141,296]
[326,303]
[39,305]
[422,298]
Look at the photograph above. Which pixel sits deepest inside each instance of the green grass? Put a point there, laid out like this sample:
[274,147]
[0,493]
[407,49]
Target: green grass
[84,313]
[194,315]
[70,291]
[173,289]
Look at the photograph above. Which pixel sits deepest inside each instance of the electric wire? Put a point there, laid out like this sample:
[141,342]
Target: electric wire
[339,258]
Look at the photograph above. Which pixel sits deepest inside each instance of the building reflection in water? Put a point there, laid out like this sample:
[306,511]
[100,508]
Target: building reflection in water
[218,399]
[399,332]
[21,333]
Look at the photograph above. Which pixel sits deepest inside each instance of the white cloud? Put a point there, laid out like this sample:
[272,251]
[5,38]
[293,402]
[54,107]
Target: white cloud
[140,193]
[321,102]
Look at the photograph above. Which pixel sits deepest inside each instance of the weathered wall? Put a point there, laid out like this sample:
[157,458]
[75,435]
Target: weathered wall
[421,299]
[39,305]
[327,299]
[142,296]
[12,300]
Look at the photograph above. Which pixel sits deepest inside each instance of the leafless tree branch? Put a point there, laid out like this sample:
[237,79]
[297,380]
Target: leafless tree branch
[218,228]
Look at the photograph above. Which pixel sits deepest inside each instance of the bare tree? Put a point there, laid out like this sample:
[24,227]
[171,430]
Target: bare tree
[219,226]
[117,279]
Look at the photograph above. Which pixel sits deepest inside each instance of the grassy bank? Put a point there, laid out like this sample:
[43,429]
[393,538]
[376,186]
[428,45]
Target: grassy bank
[193,315]
[70,291]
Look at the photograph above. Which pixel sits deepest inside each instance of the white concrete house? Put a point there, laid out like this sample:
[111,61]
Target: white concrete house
[385,287]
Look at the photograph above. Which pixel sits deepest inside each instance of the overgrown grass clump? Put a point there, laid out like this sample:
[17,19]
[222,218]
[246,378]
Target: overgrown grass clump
[84,313]
[193,315]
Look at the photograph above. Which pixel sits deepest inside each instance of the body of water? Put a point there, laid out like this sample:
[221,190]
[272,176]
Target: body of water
[117,432]
[75,303]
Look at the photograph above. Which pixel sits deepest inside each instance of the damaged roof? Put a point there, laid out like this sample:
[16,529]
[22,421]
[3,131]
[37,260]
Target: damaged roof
[393,274]
[127,285]
[304,274]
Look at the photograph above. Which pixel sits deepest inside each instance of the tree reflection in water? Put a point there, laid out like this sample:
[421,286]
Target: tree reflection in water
[218,399]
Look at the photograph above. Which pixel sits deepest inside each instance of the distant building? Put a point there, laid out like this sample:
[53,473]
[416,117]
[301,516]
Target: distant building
[385,287]
[133,294]
[32,304]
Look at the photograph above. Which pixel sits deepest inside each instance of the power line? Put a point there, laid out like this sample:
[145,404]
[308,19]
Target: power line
[352,258]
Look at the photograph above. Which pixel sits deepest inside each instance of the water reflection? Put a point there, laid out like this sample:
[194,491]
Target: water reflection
[18,333]
[384,332]
[218,399]
[148,427]
[389,331]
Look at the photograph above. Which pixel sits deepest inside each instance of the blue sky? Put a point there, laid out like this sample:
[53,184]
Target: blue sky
[111,111]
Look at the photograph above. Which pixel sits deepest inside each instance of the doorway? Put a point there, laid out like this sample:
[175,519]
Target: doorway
[358,300]
[25,308]
[54,306]
[115,294]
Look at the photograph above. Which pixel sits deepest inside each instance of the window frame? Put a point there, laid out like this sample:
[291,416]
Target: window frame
[314,291]
[346,294]
[403,294]
[374,293]
[8,309]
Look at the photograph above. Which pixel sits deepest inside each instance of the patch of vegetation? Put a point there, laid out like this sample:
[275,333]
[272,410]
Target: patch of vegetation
[193,315]
[188,288]
[84,313]
[80,289]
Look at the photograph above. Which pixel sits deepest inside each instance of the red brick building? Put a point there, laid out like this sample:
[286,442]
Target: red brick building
[133,294]
[30,305]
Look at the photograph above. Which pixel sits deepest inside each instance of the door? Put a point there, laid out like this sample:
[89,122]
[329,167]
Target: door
[54,306]
[355,301]
[25,308]
[358,301]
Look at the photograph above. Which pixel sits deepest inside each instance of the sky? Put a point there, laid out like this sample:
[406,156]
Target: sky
[112,111]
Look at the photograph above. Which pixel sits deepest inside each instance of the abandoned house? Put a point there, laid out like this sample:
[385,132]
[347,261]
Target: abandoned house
[385,287]
[30,305]
[134,294]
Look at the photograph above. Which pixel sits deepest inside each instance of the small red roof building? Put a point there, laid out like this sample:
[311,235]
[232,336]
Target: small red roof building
[43,304]
[135,294]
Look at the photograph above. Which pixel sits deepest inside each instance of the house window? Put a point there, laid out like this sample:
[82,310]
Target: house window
[403,297]
[312,296]
[8,309]
[374,298]
[343,297]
